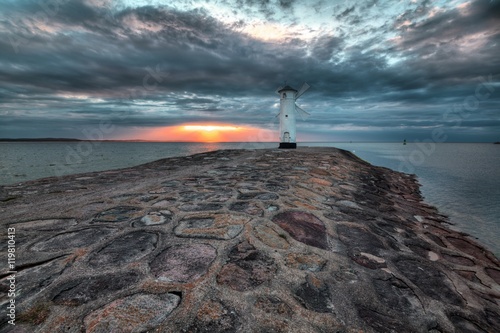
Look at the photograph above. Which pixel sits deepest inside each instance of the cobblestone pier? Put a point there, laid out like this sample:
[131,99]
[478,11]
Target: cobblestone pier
[306,240]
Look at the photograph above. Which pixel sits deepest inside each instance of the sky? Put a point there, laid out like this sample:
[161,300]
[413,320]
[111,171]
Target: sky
[187,70]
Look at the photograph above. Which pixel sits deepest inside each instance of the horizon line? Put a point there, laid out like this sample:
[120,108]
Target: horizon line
[45,139]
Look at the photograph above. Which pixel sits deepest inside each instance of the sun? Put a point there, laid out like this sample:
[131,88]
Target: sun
[210,128]
[210,133]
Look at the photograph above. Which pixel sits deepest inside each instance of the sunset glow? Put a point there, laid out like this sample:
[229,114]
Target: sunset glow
[210,128]
[206,71]
[204,133]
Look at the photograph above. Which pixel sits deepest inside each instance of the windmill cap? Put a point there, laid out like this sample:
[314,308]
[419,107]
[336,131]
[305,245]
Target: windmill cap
[287,88]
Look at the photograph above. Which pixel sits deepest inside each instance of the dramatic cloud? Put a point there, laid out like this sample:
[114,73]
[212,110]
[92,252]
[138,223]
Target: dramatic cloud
[379,70]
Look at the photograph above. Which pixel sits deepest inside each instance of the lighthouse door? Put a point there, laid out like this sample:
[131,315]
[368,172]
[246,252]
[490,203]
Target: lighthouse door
[286,137]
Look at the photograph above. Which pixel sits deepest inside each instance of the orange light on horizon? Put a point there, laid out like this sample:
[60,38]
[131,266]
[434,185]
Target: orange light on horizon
[204,133]
[210,128]
[210,133]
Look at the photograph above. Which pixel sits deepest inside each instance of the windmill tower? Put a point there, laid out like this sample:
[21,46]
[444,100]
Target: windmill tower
[288,108]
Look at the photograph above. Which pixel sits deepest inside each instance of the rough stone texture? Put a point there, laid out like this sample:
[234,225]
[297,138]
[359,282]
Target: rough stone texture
[132,314]
[307,262]
[315,295]
[273,305]
[73,239]
[303,227]
[271,237]
[215,317]
[215,226]
[117,214]
[247,268]
[85,289]
[45,225]
[307,240]
[154,218]
[128,248]
[430,279]
[183,263]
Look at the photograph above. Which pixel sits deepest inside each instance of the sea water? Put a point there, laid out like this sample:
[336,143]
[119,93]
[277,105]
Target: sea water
[461,179]
[21,161]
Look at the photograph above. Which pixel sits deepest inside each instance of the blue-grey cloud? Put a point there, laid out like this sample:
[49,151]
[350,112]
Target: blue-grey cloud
[73,63]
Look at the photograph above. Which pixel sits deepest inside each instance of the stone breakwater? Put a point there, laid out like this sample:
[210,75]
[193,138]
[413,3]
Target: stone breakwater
[307,240]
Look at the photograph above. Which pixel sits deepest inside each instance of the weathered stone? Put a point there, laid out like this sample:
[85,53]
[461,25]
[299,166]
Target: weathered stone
[136,313]
[128,248]
[272,208]
[366,259]
[164,203]
[215,226]
[305,262]
[432,281]
[320,181]
[273,305]
[315,295]
[258,196]
[493,273]
[171,183]
[303,227]
[347,203]
[436,239]
[320,172]
[395,255]
[183,263]
[85,289]
[247,268]
[435,229]
[380,322]
[221,194]
[420,248]
[360,239]
[36,278]
[147,198]
[199,207]
[214,317]
[267,196]
[276,187]
[397,295]
[45,225]
[270,237]
[469,248]
[469,275]
[465,325]
[493,318]
[250,208]
[193,196]
[459,260]
[154,218]
[72,240]
[117,214]
[160,190]
[433,256]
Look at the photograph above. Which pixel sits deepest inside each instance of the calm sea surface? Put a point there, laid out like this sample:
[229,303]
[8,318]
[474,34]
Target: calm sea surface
[462,180]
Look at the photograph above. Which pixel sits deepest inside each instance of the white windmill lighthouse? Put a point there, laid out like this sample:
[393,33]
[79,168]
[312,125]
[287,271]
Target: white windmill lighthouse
[288,96]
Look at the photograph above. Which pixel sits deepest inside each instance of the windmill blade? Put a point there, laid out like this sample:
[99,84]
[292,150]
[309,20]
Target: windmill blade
[304,115]
[302,90]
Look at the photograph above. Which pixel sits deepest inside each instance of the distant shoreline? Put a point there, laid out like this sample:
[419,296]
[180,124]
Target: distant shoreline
[148,141]
[36,140]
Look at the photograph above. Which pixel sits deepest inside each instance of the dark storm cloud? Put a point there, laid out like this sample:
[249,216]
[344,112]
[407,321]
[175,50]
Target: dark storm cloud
[345,13]
[443,34]
[160,65]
